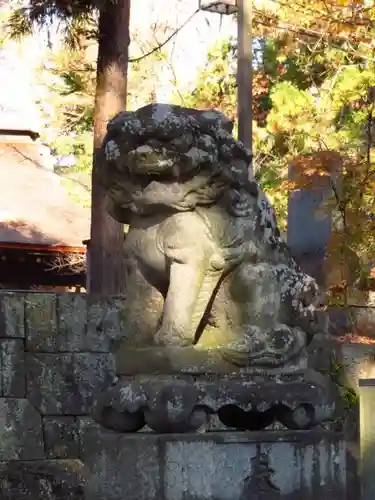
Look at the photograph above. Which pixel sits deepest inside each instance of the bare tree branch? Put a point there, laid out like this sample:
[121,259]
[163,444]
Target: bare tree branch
[161,45]
[73,262]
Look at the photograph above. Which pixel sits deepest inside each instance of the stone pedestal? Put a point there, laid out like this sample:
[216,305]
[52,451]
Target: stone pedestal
[215,436]
[181,424]
[241,401]
[303,465]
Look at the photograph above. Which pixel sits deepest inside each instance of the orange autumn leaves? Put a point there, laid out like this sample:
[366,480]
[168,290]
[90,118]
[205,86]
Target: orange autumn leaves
[351,205]
[315,169]
[336,21]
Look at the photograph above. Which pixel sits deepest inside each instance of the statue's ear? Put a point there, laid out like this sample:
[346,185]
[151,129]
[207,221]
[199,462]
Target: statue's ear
[117,212]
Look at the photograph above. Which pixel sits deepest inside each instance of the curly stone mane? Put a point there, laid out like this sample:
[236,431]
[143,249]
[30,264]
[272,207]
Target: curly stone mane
[196,149]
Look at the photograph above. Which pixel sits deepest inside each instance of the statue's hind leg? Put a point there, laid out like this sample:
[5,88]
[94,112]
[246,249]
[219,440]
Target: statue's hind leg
[244,321]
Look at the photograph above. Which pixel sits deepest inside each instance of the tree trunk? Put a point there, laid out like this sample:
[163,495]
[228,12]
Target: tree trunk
[105,270]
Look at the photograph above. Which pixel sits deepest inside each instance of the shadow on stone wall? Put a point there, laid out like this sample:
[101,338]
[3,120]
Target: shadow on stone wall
[45,479]
[54,358]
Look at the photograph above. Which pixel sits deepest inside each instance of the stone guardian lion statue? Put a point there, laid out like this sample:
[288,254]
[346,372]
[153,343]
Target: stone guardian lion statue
[203,243]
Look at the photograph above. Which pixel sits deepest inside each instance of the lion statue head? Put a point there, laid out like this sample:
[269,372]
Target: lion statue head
[169,158]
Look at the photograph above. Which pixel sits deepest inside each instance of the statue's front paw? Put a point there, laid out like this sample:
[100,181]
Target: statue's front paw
[172,336]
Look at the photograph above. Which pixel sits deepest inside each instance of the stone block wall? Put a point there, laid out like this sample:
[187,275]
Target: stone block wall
[54,357]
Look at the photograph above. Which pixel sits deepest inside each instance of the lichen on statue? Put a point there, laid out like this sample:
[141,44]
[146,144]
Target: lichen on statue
[203,238]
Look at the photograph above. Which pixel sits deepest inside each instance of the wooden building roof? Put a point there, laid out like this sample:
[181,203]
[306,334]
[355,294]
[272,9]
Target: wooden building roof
[35,208]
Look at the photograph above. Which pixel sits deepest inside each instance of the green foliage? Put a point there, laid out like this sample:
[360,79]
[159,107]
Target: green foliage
[307,99]
[216,86]
[349,397]
[70,84]
[80,146]
[77,19]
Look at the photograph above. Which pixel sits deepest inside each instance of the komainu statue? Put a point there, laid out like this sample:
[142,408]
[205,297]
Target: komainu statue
[204,236]
[206,269]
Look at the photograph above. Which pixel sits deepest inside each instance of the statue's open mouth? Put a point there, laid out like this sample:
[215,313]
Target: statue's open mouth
[145,160]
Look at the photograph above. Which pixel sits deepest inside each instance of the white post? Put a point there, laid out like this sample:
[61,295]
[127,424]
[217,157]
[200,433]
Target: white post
[367,437]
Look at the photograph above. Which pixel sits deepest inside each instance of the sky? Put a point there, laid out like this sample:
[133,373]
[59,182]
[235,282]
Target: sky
[17,97]
[189,46]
